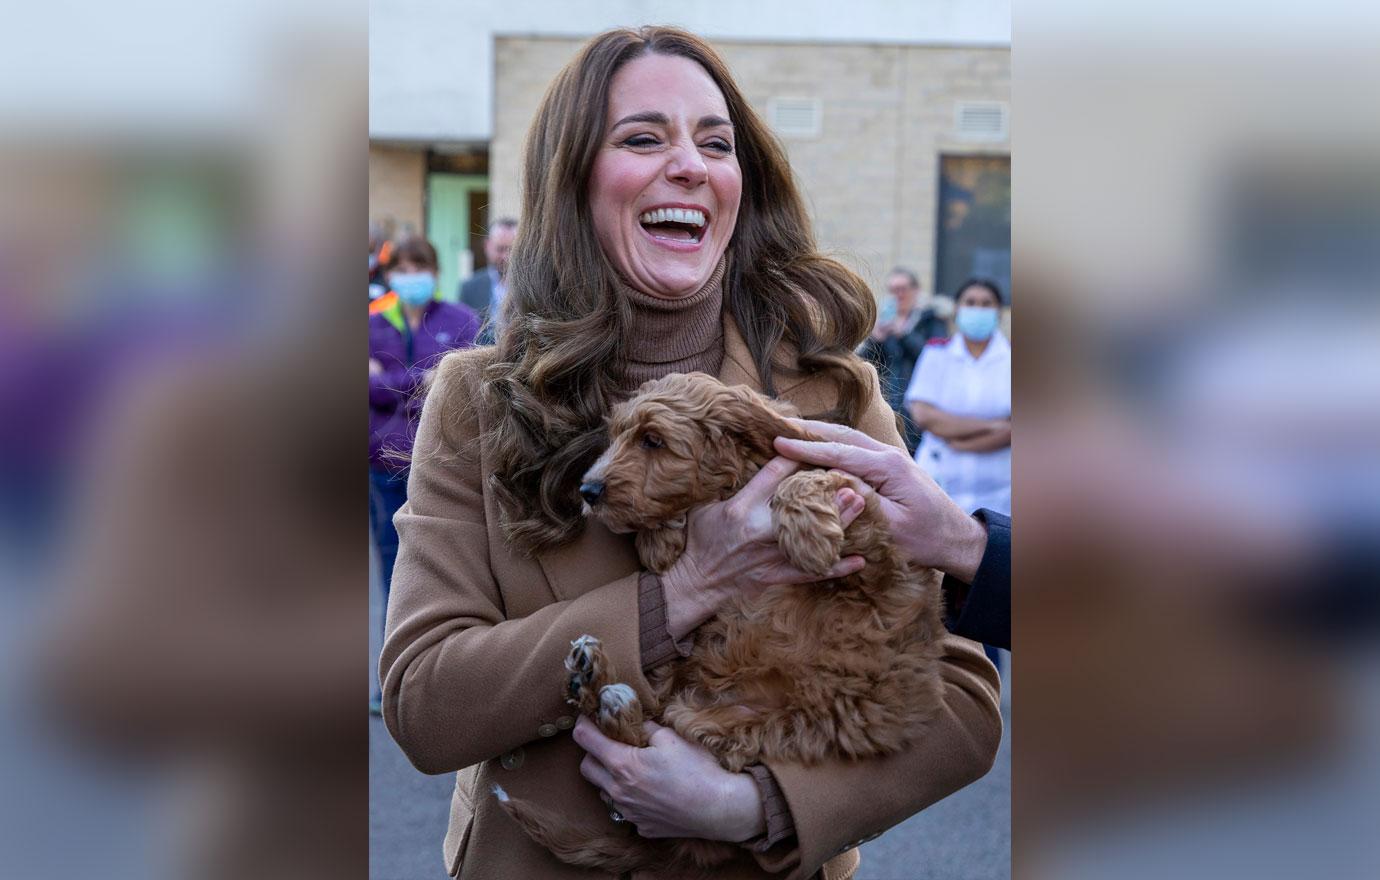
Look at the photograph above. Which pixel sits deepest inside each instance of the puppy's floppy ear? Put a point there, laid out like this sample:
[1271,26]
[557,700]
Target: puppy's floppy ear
[754,419]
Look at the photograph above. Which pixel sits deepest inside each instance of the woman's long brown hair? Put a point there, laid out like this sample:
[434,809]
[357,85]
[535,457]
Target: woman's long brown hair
[555,376]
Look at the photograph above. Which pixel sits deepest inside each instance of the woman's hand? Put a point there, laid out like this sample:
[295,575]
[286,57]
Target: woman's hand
[926,523]
[672,788]
[730,549]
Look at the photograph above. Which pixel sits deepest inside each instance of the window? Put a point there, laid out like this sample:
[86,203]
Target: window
[974,222]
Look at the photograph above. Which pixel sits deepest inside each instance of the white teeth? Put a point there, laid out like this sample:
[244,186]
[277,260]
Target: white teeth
[674,215]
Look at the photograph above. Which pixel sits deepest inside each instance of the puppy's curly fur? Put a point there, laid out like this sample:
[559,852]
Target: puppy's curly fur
[846,667]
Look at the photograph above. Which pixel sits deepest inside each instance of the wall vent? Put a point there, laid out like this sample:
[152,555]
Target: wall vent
[981,120]
[796,117]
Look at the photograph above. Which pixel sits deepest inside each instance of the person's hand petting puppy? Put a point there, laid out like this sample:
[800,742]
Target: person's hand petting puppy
[731,549]
[926,524]
[671,788]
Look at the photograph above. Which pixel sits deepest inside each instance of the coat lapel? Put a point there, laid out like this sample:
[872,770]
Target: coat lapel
[738,368]
[595,558]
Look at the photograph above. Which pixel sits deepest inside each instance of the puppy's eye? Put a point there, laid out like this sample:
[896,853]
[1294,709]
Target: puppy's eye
[652,440]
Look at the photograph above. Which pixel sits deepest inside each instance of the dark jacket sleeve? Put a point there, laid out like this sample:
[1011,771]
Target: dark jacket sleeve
[475,292]
[982,610]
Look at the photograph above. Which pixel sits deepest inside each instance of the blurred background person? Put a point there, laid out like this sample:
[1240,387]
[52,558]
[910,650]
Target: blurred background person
[960,396]
[381,299]
[484,290]
[406,341]
[904,327]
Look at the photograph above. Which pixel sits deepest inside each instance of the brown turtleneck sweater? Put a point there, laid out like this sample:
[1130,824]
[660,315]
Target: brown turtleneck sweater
[674,335]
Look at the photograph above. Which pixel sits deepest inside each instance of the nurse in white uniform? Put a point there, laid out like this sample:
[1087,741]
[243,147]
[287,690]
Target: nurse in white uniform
[960,396]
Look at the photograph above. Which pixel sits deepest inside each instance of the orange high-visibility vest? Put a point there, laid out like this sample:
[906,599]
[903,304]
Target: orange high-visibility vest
[383,303]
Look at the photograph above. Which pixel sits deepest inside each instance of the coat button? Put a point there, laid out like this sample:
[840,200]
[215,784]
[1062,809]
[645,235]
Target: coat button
[512,760]
[565,722]
[546,730]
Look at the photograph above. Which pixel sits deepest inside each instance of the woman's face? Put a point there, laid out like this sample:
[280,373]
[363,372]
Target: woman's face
[404,266]
[977,297]
[979,311]
[665,187]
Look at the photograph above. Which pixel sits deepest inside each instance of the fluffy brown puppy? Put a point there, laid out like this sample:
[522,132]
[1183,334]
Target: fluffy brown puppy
[843,668]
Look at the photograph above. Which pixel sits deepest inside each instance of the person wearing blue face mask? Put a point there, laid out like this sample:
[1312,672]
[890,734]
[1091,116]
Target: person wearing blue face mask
[905,325]
[406,342]
[960,396]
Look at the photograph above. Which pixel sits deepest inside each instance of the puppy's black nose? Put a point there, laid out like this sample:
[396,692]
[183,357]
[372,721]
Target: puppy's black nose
[591,492]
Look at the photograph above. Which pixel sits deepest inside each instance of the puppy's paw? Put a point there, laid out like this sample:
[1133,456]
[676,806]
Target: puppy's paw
[807,523]
[620,714]
[588,670]
[583,654]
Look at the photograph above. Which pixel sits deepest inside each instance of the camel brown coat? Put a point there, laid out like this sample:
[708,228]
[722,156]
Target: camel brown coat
[473,677]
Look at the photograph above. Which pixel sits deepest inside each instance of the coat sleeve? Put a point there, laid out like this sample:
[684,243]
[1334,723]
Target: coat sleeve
[841,803]
[462,683]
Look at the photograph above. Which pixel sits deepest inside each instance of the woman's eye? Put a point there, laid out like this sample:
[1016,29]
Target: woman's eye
[640,140]
[651,440]
[720,146]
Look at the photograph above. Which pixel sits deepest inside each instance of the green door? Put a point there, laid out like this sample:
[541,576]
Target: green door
[451,202]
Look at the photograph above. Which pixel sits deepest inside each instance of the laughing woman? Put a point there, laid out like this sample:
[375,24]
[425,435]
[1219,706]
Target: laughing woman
[661,232]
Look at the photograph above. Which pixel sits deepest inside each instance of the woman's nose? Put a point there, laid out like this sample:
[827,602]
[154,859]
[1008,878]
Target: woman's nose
[686,167]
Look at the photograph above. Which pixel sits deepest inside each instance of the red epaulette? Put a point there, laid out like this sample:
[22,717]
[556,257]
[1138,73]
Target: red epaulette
[939,340]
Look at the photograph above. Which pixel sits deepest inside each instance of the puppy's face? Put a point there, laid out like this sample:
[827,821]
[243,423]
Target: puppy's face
[682,441]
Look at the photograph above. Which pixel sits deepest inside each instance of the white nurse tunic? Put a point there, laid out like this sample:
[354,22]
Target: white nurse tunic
[950,378]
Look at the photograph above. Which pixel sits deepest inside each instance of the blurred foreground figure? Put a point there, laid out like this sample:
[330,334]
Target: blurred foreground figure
[1199,484]
[202,629]
[205,621]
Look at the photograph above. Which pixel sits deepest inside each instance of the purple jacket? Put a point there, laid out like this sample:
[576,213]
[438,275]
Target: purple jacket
[395,401]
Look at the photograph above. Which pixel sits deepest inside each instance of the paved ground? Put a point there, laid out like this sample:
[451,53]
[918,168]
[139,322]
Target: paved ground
[407,813]
[964,837]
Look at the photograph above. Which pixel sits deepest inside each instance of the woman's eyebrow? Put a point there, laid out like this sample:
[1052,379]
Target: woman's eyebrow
[651,116]
[657,118]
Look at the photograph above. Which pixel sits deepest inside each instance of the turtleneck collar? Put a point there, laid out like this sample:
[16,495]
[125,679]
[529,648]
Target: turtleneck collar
[674,335]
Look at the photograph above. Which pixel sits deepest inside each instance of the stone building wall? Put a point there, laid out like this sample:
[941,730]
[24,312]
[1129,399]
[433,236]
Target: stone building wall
[397,185]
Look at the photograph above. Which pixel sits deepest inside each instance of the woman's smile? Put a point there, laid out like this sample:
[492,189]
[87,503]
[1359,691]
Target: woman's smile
[678,227]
